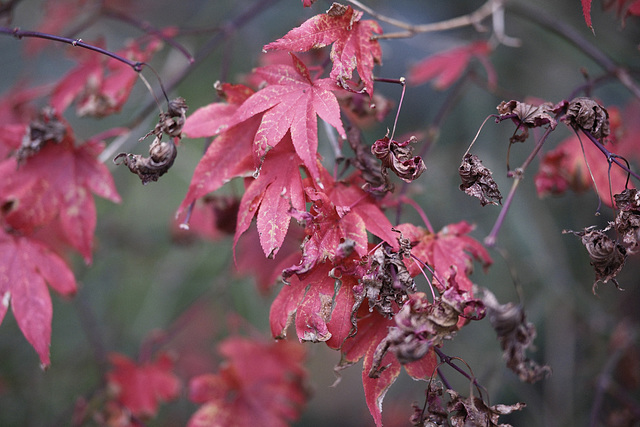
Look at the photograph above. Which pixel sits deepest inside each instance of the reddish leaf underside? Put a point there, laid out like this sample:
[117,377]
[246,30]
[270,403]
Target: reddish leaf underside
[566,167]
[26,266]
[450,247]
[290,103]
[353,46]
[446,68]
[57,183]
[101,86]
[141,387]
[259,381]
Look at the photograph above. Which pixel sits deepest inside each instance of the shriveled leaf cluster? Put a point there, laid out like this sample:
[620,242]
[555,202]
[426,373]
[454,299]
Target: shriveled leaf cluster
[516,335]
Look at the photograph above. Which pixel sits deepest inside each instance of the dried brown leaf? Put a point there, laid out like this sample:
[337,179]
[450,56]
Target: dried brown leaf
[587,114]
[478,182]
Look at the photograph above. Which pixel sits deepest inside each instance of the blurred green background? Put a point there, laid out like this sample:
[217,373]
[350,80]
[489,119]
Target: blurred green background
[142,280]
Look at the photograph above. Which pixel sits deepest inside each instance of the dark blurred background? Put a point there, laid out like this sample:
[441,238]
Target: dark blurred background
[143,280]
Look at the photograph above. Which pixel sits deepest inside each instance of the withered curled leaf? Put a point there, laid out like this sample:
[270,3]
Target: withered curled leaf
[161,154]
[473,411]
[627,222]
[421,325]
[515,335]
[628,200]
[478,182]
[585,113]
[47,127]
[387,281]
[397,157]
[607,255]
[161,158]
[529,115]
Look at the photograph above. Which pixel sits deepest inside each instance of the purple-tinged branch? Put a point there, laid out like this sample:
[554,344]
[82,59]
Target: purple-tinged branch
[19,34]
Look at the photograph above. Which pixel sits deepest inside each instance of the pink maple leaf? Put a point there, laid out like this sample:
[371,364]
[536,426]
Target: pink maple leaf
[290,103]
[258,381]
[99,85]
[320,309]
[141,387]
[353,43]
[450,247]
[26,266]
[447,67]
[56,184]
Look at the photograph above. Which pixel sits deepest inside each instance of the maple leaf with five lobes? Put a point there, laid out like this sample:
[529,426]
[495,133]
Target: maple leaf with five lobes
[26,266]
[341,215]
[353,43]
[56,183]
[450,247]
[259,383]
[290,103]
[141,387]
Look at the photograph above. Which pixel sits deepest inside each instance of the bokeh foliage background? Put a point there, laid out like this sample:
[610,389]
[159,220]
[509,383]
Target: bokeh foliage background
[143,279]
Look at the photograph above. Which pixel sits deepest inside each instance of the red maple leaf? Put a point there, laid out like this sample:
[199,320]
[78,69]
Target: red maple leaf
[259,381]
[586,11]
[56,184]
[320,305]
[450,247]
[447,67]
[338,221]
[566,167]
[277,189]
[229,155]
[26,266]
[372,328]
[290,103]
[353,46]
[101,85]
[141,387]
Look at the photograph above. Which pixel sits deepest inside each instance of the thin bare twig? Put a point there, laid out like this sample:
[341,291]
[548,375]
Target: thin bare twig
[473,18]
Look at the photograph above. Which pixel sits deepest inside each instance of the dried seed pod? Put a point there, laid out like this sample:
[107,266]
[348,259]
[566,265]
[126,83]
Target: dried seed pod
[529,115]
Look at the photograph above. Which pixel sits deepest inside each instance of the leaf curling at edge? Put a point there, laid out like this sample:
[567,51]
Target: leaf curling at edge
[607,256]
[478,182]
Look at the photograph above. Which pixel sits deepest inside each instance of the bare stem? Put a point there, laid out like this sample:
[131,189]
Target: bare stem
[473,18]
[19,34]
[518,175]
